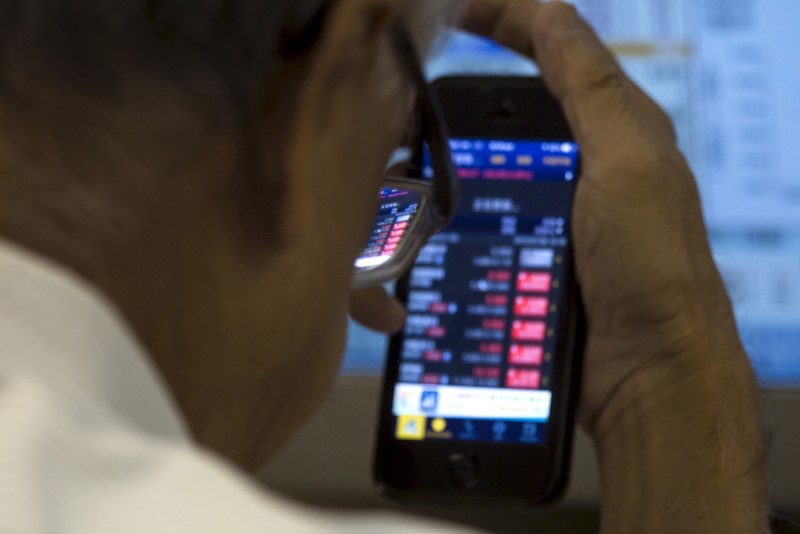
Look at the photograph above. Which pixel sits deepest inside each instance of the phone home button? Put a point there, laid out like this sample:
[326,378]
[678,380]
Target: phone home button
[465,469]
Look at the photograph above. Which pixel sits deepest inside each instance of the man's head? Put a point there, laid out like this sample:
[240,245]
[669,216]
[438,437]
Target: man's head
[212,166]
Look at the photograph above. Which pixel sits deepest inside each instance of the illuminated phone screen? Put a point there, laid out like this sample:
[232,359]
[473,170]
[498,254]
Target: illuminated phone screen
[484,299]
[397,210]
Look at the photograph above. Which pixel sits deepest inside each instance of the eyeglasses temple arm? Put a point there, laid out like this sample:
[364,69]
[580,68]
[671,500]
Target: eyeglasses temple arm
[446,185]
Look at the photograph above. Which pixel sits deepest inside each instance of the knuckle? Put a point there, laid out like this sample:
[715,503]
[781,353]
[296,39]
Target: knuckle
[594,76]
[597,90]
[580,56]
[554,18]
[558,14]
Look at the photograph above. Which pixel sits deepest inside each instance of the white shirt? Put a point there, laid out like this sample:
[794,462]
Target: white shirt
[90,440]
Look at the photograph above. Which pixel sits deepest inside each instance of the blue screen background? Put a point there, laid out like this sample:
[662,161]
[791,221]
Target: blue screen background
[721,70]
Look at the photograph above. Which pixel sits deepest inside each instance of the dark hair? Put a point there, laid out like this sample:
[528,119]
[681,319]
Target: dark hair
[91,89]
[91,43]
[94,89]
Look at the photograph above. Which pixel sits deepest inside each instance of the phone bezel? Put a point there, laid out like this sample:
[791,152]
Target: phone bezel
[531,474]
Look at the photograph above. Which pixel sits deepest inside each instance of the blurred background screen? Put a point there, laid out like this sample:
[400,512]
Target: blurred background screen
[727,72]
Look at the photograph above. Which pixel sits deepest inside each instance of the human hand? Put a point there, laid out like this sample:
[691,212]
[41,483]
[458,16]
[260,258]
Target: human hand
[375,309]
[652,292]
[668,396]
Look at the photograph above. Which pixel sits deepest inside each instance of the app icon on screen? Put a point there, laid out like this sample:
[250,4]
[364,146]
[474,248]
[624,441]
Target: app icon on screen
[411,427]
[468,430]
[429,401]
[530,431]
[439,425]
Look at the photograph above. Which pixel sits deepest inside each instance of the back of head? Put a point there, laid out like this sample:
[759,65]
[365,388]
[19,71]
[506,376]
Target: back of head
[161,149]
[101,103]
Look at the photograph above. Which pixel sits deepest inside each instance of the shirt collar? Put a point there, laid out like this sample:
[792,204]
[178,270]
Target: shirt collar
[58,330]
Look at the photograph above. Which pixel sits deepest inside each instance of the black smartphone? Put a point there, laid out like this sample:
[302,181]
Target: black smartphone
[481,386]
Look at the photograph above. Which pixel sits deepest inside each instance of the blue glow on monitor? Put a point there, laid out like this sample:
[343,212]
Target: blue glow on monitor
[726,73]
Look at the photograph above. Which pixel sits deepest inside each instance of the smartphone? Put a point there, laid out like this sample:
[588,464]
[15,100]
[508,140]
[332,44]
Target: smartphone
[481,386]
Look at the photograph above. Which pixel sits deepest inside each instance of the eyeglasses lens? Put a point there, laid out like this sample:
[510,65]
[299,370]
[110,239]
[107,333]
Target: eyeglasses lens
[395,221]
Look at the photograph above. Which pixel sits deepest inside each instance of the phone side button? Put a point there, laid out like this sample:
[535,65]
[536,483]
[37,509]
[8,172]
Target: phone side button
[465,469]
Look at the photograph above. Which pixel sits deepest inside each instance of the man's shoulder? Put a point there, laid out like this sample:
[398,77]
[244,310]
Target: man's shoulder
[77,465]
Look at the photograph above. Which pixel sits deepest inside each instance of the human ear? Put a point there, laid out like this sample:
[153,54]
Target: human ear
[338,82]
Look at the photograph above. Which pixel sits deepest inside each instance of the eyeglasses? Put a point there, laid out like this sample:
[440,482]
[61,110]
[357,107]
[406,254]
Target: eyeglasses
[421,189]
[412,208]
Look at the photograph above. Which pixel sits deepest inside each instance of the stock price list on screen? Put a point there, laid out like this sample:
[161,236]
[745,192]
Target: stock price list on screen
[484,298]
[483,303]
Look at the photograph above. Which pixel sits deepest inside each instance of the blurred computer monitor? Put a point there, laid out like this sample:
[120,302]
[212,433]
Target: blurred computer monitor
[726,72]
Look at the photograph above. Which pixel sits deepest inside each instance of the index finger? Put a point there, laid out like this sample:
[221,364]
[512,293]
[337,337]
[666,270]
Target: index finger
[500,20]
[598,98]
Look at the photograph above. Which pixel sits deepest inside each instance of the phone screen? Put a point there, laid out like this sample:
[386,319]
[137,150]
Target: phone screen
[484,299]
